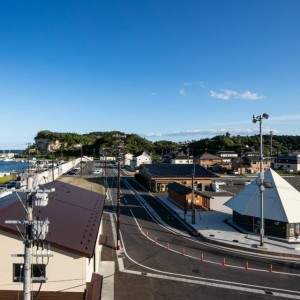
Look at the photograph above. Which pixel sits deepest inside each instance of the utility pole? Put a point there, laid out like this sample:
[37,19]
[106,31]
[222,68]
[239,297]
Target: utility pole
[35,231]
[52,165]
[271,146]
[81,153]
[118,188]
[27,245]
[28,144]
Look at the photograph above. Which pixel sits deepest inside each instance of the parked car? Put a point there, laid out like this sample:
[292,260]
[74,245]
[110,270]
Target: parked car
[220,182]
[234,172]
[71,172]
[11,184]
[99,171]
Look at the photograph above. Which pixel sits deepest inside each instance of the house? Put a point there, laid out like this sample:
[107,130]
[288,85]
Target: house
[181,158]
[207,160]
[128,159]
[227,156]
[288,162]
[281,208]
[73,238]
[141,158]
[156,177]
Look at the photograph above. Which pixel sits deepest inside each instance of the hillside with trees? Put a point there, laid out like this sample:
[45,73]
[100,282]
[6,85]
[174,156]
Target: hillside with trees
[95,142]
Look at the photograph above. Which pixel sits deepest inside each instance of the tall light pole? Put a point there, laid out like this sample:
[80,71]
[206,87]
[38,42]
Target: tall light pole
[193,196]
[261,175]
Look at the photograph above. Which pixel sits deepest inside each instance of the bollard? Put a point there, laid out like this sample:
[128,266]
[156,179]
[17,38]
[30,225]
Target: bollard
[156,240]
[168,246]
[202,257]
[147,234]
[271,268]
[183,251]
[141,229]
[247,267]
[223,263]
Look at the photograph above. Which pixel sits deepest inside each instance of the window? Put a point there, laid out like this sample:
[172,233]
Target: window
[37,271]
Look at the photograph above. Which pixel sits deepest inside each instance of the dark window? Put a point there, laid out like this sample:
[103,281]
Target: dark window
[37,271]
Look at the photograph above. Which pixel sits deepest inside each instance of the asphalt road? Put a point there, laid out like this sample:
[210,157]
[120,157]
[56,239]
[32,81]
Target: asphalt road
[163,261]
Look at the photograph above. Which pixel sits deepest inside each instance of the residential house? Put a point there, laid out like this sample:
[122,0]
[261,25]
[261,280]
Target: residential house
[288,162]
[141,158]
[208,160]
[227,156]
[128,159]
[74,234]
[181,158]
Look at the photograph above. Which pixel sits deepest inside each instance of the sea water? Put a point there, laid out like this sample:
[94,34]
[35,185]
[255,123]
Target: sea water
[12,166]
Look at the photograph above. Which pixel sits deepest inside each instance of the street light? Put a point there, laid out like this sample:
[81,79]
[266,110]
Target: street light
[261,176]
[193,195]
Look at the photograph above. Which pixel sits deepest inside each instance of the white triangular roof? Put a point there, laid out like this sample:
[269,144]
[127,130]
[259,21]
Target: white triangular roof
[281,203]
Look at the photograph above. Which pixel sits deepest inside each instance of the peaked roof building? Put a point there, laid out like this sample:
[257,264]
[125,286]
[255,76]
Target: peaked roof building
[281,207]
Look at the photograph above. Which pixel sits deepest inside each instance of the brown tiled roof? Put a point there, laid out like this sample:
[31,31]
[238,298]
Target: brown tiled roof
[74,214]
[208,156]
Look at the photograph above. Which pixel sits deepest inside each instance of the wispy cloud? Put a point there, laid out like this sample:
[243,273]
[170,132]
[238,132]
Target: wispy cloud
[226,94]
[286,118]
[195,83]
[182,92]
[200,133]
[154,94]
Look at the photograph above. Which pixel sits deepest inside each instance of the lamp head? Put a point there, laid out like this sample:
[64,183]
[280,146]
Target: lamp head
[265,116]
[254,119]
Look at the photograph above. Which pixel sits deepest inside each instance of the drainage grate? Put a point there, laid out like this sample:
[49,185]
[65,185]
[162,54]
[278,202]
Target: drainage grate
[144,273]
[120,255]
[268,292]
[195,271]
[212,235]
[236,241]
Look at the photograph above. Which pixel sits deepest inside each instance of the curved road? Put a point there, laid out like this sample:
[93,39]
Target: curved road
[157,245]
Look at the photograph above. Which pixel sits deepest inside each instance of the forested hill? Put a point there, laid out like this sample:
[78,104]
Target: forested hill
[135,144]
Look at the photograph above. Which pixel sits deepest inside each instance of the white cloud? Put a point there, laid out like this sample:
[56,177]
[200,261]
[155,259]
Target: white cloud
[182,92]
[154,94]
[249,96]
[230,94]
[222,96]
[197,83]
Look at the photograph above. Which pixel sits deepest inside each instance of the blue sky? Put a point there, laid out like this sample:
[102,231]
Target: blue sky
[163,69]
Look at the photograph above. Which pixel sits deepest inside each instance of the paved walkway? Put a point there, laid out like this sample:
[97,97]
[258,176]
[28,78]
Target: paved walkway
[218,227]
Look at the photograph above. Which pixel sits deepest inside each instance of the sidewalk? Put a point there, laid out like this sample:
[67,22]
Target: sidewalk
[218,228]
